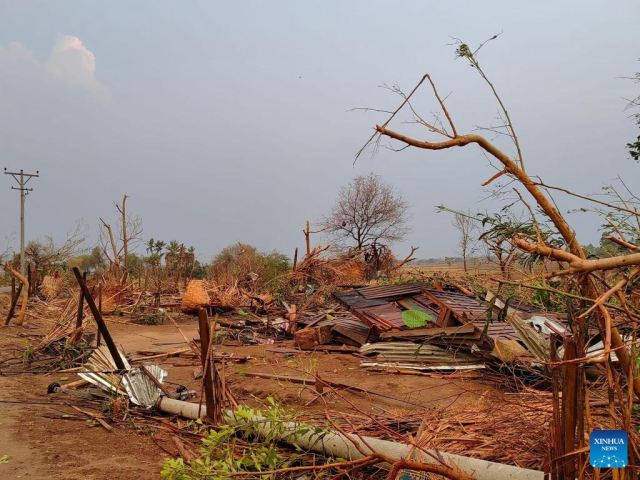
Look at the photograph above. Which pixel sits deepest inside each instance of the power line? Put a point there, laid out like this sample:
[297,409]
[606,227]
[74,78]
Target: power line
[22,179]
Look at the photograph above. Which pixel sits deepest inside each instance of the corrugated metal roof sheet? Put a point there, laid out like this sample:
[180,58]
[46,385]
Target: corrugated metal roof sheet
[469,310]
[386,291]
[411,352]
[375,306]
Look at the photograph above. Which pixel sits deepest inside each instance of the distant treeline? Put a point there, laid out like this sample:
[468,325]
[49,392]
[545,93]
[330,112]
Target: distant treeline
[432,261]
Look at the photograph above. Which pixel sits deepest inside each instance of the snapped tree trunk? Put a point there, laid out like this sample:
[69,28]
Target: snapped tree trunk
[25,293]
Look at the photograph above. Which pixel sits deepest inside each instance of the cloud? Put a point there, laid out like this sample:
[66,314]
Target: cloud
[70,63]
[74,64]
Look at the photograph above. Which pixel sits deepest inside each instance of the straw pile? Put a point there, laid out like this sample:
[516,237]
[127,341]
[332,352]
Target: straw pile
[515,433]
[65,326]
[51,286]
[195,296]
[320,269]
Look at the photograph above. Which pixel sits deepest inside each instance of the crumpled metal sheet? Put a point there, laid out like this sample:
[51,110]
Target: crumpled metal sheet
[420,367]
[134,384]
[411,352]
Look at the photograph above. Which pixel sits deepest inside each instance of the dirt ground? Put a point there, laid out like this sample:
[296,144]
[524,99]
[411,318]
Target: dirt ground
[41,443]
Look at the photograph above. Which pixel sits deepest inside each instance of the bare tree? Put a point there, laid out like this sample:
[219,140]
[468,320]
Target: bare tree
[369,213]
[48,255]
[467,227]
[116,245]
[494,244]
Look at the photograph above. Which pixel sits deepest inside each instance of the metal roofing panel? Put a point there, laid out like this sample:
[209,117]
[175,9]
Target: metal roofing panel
[385,291]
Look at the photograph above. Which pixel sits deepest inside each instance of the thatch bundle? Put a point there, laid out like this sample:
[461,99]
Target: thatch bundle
[227,296]
[51,286]
[114,295]
[322,269]
[195,296]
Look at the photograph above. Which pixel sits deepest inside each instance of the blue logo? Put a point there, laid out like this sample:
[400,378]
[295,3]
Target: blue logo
[608,449]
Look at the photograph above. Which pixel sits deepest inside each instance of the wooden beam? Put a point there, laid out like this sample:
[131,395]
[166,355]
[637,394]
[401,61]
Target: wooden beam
[81,304]
[207,379]
[102,327]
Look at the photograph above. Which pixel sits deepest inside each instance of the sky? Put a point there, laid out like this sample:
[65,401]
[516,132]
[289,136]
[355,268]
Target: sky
[229,121]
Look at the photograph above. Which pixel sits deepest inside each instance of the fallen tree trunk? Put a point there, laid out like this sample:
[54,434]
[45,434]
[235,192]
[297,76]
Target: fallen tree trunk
[25,294]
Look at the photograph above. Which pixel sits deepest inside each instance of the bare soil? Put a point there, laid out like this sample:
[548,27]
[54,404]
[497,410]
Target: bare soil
[41,443]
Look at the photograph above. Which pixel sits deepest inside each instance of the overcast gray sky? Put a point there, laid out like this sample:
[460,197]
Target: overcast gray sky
[228,121]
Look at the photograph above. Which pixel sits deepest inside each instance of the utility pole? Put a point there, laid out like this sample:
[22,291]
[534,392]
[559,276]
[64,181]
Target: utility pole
[22,179]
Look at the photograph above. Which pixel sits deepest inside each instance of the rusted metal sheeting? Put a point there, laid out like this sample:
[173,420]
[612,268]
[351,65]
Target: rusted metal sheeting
[497,330]
[376,313]
[353,299]
[385,317]
[351,328]
[417,302]
[386,291]
[464,308]
[375,306]
[469,310]
[461,331]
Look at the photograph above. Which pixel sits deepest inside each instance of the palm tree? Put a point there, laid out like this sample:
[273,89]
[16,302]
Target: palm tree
[159,246]
[171,256]
[191,259]
[151,246]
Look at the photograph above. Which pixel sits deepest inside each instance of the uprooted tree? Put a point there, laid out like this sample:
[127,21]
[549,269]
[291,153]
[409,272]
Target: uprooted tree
[583,285]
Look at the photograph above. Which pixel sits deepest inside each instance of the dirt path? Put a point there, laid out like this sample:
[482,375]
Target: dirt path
[41,443]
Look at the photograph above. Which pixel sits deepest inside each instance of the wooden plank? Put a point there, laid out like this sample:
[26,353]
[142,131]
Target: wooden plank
[203,322]
[102,327]
[81,304]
